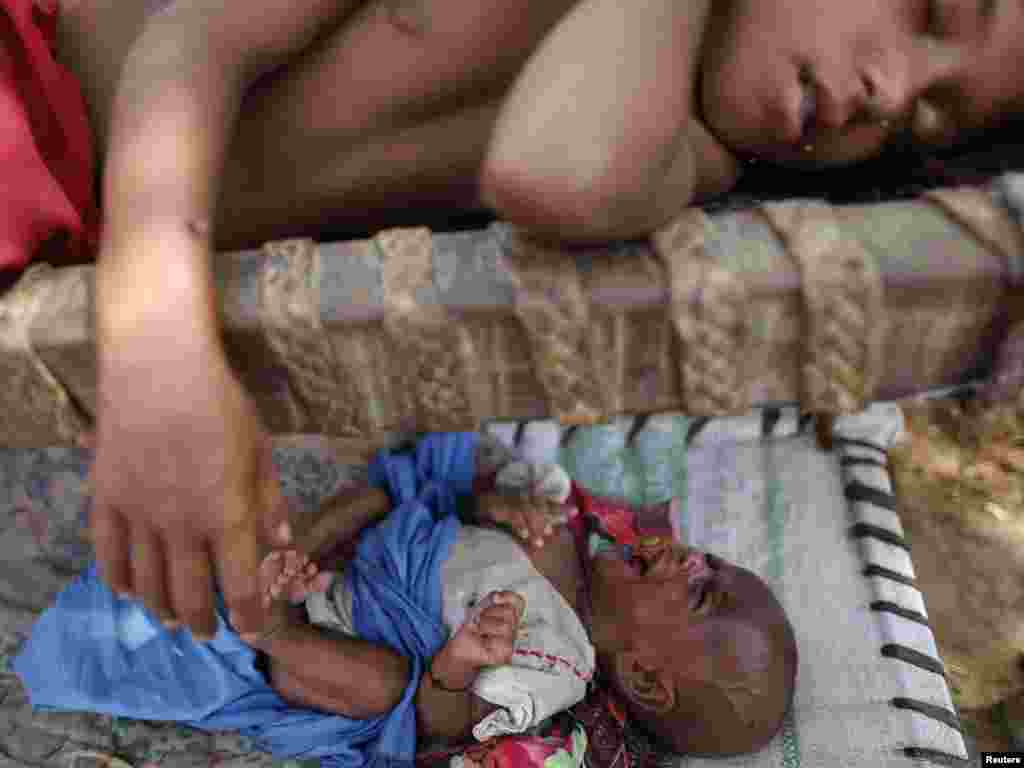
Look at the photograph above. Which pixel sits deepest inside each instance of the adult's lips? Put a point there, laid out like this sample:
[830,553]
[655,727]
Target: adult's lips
[807,112]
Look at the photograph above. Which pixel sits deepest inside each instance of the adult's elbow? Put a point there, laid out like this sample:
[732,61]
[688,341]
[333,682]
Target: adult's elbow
[566,206]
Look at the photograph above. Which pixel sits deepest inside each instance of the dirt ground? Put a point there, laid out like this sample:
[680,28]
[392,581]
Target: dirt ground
[959,477]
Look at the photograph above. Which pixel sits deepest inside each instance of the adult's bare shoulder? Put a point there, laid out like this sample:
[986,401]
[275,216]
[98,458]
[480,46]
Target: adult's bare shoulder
[93,37]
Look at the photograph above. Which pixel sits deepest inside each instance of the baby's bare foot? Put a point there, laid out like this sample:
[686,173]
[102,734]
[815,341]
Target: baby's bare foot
[290,574]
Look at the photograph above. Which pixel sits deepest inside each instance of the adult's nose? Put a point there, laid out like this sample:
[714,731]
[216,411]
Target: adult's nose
[885,91]
[893,84]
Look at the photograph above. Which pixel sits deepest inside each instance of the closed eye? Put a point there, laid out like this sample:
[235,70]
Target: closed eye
[640,564]
[702,598]
[934,23]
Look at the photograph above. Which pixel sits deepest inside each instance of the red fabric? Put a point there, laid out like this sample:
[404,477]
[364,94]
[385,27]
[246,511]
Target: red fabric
[625,523]
[45,143]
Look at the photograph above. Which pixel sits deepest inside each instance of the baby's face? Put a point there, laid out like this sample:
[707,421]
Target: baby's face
[717,628]
[814,83]
[687,596]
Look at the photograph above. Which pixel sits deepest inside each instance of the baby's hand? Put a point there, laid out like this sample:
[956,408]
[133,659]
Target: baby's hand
[532,519]
[530,499]
[287,578]
[487,638]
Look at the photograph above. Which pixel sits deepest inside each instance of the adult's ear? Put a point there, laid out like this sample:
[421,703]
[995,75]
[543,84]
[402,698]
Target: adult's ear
[646,685]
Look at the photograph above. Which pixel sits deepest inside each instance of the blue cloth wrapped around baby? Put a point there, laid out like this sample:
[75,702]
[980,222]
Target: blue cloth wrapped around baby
[96,652]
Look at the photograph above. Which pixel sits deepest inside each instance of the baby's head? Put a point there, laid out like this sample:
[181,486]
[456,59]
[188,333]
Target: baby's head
[700,649]
[816,83]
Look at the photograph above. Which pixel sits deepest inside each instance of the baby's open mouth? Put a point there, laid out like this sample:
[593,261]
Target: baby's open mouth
[637,565]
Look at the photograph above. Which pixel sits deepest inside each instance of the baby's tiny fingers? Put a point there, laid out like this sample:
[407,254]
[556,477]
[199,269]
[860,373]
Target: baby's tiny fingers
[520,519]
[513,599]
[533,526]
[558,514]
[506,613]
[499,650]
[495,626]
[292,564]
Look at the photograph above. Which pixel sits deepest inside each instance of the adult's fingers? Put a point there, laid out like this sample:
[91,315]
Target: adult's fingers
[111,545]
[191,580]
[149,571]
[276,518]
[86,440]
[238,555]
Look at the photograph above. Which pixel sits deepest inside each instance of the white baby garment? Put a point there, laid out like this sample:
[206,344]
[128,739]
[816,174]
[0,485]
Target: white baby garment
[553,659]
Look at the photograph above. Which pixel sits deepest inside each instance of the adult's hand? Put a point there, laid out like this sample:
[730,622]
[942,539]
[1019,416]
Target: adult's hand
[185,490]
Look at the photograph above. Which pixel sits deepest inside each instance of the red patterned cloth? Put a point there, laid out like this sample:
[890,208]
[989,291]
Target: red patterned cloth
[618,520]
[593,734]
[45,142]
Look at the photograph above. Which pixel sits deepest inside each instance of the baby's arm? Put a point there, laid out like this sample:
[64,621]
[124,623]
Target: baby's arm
[313,667]
[446,706]
[336,673]
[596,139]
[341,518]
